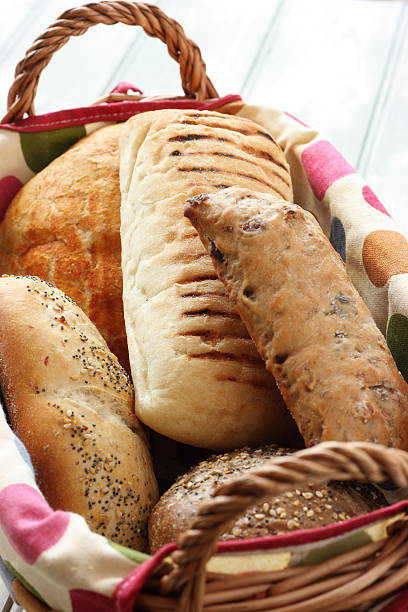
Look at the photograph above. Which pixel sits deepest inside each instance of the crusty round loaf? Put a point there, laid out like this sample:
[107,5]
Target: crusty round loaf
[64,226]
[303,508]
[72,405]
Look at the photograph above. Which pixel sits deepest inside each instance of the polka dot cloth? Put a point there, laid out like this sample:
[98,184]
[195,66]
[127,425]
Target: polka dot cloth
[384,254]
[352,216]
[9,185]
[372,200]
[58,557]
[40,148]
[338,237]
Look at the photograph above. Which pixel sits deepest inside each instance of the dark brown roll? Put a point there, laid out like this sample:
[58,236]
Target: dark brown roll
[304,508]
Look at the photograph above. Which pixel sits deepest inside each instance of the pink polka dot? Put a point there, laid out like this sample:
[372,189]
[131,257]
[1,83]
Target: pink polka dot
[9,185]
[124,86]
[324,165]
[28,522]
[372,200]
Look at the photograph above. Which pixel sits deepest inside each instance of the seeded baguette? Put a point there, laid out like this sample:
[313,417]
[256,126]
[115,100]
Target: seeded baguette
[198,376]
[72,405]
[317,337]
[304,508]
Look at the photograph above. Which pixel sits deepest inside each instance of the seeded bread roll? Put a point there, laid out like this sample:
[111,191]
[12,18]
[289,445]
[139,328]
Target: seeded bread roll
[198,376]
[316,335]
[71,403]
[304,508]
[64,226]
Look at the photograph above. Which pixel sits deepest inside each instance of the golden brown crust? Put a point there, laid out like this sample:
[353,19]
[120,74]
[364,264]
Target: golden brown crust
[193,362]
[64,226]
[304,508]
[71,403]
[318,338]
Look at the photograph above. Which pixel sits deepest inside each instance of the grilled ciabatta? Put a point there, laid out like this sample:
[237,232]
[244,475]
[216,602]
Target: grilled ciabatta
[198,376]
[317,336]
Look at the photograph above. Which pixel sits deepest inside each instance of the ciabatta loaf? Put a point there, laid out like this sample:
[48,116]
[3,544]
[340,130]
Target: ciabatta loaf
[72,405]
[198,376]
[310,325]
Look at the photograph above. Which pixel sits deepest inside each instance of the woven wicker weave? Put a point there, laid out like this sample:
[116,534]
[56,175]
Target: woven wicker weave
[350,581]
[344,583]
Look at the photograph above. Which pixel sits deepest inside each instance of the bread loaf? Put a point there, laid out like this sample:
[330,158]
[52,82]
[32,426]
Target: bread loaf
[198,376]
[310,325]
[64,226]
[71,404]
[304,508]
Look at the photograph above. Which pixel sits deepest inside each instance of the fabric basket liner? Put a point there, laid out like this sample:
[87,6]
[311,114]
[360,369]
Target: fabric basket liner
[54,553]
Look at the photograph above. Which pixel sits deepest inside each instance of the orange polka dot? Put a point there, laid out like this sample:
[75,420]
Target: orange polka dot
[385,253]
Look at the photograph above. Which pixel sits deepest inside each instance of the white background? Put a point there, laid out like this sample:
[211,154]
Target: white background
[339,65]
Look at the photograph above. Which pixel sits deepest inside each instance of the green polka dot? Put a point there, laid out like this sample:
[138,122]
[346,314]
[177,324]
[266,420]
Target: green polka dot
[24,582]
[397,339]
[131,554]
[337,547]
[40,148]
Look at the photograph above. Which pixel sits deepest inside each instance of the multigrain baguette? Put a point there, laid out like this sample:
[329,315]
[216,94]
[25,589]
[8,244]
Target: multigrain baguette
[316,335]
[198,376]
[306,507]
[71,403]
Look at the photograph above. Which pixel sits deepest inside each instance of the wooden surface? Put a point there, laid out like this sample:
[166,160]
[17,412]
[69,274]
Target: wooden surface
[339,65]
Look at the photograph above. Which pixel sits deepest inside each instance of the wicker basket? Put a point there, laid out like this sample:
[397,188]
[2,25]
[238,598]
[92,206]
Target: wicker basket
[354,580]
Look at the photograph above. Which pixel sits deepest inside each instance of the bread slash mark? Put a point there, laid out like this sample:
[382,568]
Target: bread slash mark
[207,312]
[221,356]
[264,155]
[198,279]
[245,132]
[191,137]
[189,257]
[240,174]
[245,381]
[250,150]
[204,294]
[211,336]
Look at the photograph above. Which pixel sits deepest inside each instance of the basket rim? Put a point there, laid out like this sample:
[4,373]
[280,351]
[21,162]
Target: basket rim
[111,111]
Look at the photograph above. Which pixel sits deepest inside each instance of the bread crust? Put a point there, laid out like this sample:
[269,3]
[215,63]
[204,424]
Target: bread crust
[64,226]
[71,404]
[306,507]
[198,376]
[311,327]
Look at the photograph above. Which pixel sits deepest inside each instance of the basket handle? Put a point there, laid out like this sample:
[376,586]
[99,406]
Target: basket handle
[327,461]
[76,21]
